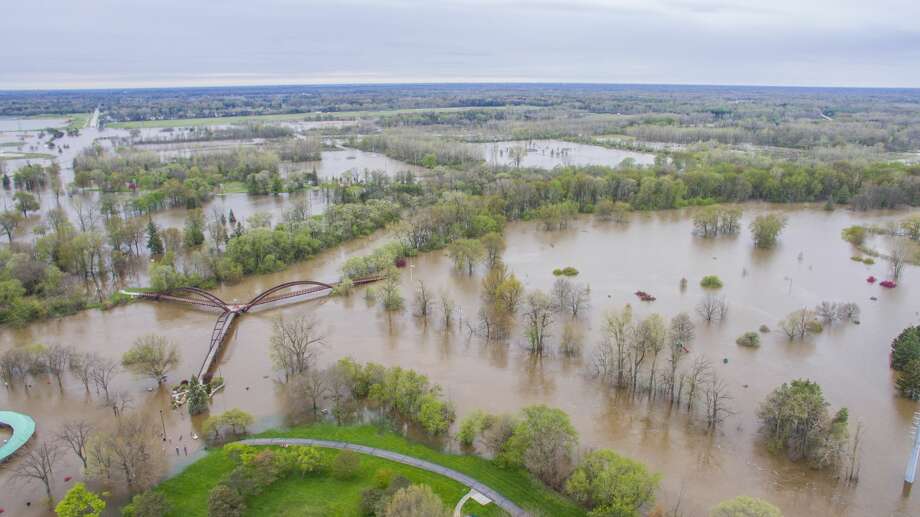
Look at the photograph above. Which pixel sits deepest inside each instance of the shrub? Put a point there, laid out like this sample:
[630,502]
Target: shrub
[749,339]
[744,506]
[566,271]
[383,477]
[868,261]
[147,504]
[855,235]
[609,484]
[711,282]
[764,329]
[346,465]
[224,501]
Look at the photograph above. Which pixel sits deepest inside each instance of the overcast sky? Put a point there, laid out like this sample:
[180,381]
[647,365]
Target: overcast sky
[125,43]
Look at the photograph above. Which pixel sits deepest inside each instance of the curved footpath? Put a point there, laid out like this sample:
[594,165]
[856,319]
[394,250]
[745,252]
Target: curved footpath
[503,502]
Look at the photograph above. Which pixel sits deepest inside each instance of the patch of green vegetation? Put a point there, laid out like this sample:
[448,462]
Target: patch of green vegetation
[711,282]
[281,117]
[515,484]
[10,144]
[317,494]
[566,271]
[233,187]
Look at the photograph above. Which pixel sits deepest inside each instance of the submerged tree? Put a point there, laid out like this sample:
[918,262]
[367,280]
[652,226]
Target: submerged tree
[151,356]
[294,344]
[765,229]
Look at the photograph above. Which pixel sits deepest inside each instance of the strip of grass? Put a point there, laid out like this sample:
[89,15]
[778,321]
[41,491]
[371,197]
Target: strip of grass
[515,484]
[281,117]
[318,495]
[233,187]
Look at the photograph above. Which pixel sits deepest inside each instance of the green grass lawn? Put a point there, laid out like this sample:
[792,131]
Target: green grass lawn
[233,187]
[322,495]
[515,484]
[282,117]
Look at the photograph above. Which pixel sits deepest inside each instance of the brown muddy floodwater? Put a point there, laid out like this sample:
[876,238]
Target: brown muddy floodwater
[651,253]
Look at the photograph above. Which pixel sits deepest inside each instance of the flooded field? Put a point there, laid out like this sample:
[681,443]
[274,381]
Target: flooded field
[699,468]
[30,124]
[547,154]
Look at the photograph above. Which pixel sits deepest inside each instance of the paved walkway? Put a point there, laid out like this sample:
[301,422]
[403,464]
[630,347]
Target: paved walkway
[503,502]
[23,429]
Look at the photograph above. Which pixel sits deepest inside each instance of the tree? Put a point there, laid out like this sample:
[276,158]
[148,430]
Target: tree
[798,324]
[543,441]
[609,484]
[232,423]
[102,371]
[80,502]
[154,242]
[392,298]
[147,504]
[415,501]
[9,221]
[346,465]
[224,501]
[310,388]
[744,506]
[151,356]
[765,229]
[905,348]
[494,245]
[466,253]
[795,419]
[56,358]
[712,307]
[129,450]
[193,235]
[538,316]
[197,397]
[899,256]
[26,202]
[294,344]
[38,464]
[76,433]
[908,382]
[423,301]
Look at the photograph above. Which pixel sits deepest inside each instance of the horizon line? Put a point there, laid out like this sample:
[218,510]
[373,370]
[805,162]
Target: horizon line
[4,90]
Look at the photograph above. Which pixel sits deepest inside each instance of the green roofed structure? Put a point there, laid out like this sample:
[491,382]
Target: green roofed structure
[23,429]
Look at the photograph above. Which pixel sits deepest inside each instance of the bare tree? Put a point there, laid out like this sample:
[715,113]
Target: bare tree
[848,312]
[102,371]
[56,358]
[699,373]
[827,311]
[294,344]
[38,464]
[712,307]
[129,451]
[76,433]
[680,334]
[80,365]
[896,260]
[423,301]
[311,387]
[539,318]
[87,213]
[447,309]
[717,398]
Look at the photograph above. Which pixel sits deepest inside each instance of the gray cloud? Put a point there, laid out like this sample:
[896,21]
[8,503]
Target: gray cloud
[99,43]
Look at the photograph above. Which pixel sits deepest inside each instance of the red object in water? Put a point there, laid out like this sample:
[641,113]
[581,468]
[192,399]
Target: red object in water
[871,280]
[888,284]
[68,478]
[644,296]
[401,262]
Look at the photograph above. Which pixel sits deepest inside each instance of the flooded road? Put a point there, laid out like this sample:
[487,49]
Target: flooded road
[652,253]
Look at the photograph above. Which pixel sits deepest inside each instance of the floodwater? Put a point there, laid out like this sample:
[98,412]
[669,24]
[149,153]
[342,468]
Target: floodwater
[651,253]
[547,154]
[30,124]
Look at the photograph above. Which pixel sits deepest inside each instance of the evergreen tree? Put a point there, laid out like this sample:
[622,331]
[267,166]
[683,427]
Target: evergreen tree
[197,397]
[154,242]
